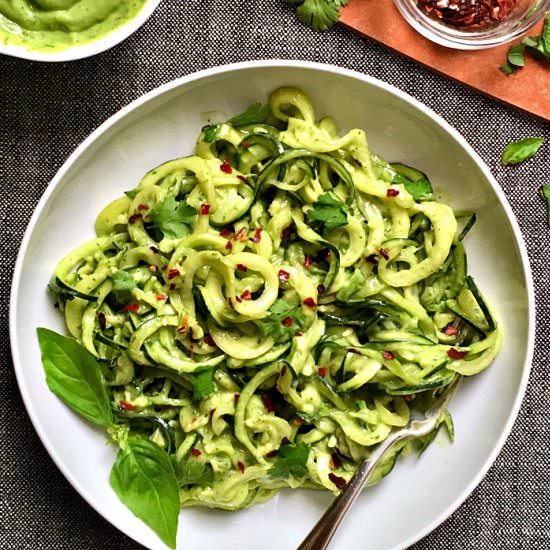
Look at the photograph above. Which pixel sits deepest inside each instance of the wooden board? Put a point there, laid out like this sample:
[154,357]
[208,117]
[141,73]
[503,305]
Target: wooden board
[528,89]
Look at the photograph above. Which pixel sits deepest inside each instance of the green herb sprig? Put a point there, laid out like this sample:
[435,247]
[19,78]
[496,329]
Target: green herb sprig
[320,15]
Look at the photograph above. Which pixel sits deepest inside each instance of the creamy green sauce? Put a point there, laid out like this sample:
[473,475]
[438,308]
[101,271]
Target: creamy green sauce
[54,25]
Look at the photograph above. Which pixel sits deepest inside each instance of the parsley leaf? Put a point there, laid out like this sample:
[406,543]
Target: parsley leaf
[283,321]
[210,132]
[194,472]
[203,384]
[330,212]
[319,14]
[545,192]
[255,114]
[521,150]
[173,218]
[537,46]
[291,461]
[122,281]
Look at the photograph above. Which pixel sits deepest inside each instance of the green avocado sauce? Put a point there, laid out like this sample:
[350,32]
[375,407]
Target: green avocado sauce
[55,25]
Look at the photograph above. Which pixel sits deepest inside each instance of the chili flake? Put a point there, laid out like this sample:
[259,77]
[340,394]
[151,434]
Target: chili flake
[229,245]
[284,276]
[455,354]
[310,302]
[307,262]
[246,295]
[242,267]
[241,178]
[268,404]
[101,320]
[127,406]
[143,207]
[384,253]
[450,330]
[336,460]
[392,192]
[209,341]
[285,441]
[241,467]
[205,209]
[257,235]
[340,482]
[162,297]
[388,355]
[236,398]
[134,218]
[195,452]
[172,273]
[287,321]
[241,235]
[134,308]
[271,454]
[225,232]
[321,289]
[154,248]
[226,167]
[322,371]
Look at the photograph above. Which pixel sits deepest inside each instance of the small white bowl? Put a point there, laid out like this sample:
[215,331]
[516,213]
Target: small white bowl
[85,50]
[421,492]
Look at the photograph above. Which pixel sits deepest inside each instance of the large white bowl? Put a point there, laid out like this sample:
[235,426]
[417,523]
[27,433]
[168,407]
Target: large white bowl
[85,50]
[419,493]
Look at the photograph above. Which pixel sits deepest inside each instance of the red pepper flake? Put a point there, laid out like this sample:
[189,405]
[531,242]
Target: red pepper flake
[143,207]
[102,321]
[225,232]
[182,330]
[297,421]
[310,302]
[384,253]
[226,167]
[322,371]
[257,235]
[209,341]
[392,192]
[162,297]
[283,370]
[246,295]
[271,454]
[284,276]
[239,299]
[287,322]
[241,235]
[172,286]
[298,333]
[372,258]
[287,232]
[321,289]
[134,308]
[353,350]
[230,302]
[450,330]
[285,441]
[172,273]
[134,218]
[127,406]
[242,267]
[154,248]
[408,398]
[241,467]
[340,482]
[241,178]
[205,209]
[245,144]
[229,245]
[388,355]
[455,354]
[193,419]
[268,404]
[195,452]
[307,262]
[336,460]
[236,398]
[212,412]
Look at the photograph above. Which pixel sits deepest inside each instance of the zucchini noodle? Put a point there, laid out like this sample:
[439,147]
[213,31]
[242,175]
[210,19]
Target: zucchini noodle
[282,288]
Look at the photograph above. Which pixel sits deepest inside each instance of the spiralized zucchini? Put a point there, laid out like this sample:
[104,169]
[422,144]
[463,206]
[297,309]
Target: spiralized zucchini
[270,308]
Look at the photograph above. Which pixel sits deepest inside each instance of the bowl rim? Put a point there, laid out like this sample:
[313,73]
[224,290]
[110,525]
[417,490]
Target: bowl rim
[88,49]
[263,64]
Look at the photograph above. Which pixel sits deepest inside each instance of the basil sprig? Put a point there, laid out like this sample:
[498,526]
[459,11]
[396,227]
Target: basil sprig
[143,475]
[521,150]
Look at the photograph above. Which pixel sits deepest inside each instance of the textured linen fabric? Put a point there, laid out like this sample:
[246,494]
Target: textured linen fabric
[46,110]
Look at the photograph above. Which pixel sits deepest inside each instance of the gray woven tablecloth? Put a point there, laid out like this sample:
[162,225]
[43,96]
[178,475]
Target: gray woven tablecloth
[46,110]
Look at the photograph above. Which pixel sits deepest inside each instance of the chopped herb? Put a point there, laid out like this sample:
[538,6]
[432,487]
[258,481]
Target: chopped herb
[321,15]
[521,150]
[291,461]
[516,55]
[255,114]
[194,472]
[283,321]
[132,193]
[210,132]
[329,212]
[173,218]
[203,384]
[506,68]
[545,192]
[123,281]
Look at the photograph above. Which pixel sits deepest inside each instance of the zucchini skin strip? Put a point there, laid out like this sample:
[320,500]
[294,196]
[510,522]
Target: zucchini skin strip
[282,292]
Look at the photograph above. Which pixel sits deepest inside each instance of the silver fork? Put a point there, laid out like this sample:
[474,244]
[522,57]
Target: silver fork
[321,535]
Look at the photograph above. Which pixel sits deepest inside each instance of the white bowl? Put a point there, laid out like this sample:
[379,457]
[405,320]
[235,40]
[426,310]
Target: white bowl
[421,492]
[85,50]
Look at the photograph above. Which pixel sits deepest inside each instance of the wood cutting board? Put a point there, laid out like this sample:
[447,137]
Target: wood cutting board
[528,88]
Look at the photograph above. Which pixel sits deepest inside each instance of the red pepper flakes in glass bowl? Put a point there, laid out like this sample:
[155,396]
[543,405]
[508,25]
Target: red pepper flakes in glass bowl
[472,24]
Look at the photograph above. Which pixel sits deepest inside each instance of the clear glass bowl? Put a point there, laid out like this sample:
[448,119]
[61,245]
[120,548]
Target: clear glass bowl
[523,16]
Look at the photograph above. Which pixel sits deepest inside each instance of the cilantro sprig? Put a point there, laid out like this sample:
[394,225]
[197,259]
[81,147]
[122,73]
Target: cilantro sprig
[173,218]
[320,15]
[290,462]
[329,212]
[203,384]
[283,321]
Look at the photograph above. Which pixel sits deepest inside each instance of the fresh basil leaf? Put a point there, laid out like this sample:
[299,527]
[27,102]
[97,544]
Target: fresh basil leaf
[75,376]
[516,55]
[144,480]
[194,472]
[210,132]
[545,37]
[545,192]
[255,114]
[521,150]
[291,462]
[203,384]
[506,68]
[173,218]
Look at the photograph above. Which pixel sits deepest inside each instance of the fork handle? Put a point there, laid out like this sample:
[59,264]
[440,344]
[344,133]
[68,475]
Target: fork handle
[320,536]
